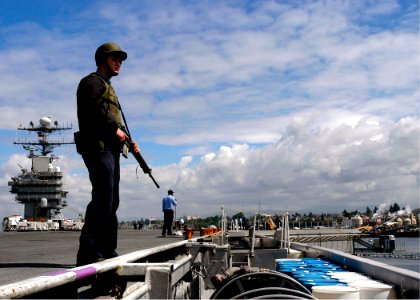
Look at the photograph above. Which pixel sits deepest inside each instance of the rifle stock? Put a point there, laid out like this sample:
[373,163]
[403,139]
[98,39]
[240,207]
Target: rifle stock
[139,158]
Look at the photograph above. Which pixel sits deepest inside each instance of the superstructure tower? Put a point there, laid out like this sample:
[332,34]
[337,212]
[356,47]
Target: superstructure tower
[40,189]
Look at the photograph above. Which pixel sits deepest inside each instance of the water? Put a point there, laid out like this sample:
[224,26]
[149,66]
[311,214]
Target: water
[407,245]
[404,246]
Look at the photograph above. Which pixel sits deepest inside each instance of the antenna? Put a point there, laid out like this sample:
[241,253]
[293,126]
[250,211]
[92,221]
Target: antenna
[43,145]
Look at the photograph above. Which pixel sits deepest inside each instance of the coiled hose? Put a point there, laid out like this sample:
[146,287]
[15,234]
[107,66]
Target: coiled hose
[262,285]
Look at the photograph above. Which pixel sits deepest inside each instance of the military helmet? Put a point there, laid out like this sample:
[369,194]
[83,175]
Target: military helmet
[108,49]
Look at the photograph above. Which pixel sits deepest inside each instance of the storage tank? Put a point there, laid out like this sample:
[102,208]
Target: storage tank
[357,221]
[413,220]
[407,221]
[399,221]
[365,221]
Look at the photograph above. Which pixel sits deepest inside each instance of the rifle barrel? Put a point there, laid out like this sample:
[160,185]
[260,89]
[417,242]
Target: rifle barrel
[151,176]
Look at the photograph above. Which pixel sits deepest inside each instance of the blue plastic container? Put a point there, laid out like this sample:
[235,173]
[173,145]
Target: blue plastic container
[311,271]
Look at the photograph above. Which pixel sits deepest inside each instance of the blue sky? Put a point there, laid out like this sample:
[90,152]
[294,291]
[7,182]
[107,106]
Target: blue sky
[307,105]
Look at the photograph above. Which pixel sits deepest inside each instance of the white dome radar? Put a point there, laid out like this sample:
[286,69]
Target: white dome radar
[45,121]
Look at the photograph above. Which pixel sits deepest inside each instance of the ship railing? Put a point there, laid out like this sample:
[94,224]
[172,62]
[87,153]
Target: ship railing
[80,281]
[24,182]
[50,196]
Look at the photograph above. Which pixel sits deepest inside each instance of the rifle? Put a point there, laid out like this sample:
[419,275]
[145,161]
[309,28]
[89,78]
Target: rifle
[128,147]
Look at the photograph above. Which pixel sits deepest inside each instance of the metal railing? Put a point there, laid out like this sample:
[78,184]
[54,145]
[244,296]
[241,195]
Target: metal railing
[68,281]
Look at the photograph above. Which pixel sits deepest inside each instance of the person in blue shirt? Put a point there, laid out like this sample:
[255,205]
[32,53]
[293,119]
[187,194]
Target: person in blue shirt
[168,206]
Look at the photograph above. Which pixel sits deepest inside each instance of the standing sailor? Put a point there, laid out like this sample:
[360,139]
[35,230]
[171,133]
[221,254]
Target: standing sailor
[100,141]
[168,206]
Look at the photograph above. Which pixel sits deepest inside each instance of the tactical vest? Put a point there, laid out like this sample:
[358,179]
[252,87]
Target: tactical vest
[111,101]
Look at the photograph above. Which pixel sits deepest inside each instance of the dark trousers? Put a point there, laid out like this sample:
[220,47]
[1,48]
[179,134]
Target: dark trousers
[99,233]
[168,218]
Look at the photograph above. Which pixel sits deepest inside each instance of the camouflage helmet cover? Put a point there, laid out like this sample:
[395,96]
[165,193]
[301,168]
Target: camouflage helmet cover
[108,49]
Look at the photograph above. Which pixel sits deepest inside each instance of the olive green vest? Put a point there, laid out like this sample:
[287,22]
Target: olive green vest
[111,103]
[111,98]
